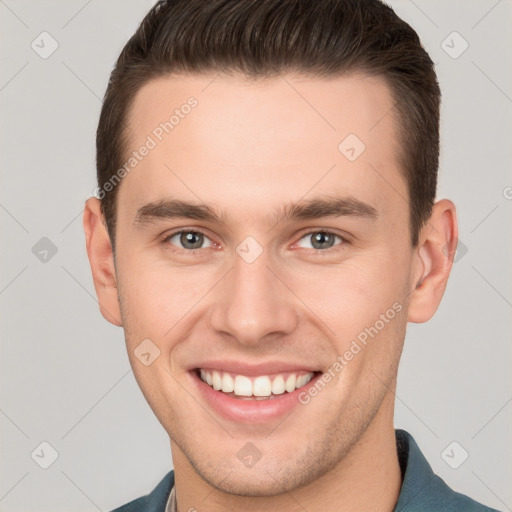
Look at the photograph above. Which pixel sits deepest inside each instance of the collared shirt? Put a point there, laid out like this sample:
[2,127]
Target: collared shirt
[421,491]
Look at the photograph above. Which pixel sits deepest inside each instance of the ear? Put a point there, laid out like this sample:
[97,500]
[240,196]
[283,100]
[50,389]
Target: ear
[433,261]
[101,259]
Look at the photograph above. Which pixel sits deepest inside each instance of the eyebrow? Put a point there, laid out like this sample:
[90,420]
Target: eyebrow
[316,208]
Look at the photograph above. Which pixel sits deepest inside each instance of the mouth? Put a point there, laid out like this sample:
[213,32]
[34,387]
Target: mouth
[253,393]
[254,388]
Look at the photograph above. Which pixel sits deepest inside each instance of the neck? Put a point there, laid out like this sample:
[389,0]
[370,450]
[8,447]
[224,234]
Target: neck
[367,479]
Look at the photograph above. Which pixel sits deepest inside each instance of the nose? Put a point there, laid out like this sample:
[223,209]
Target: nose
[253,303]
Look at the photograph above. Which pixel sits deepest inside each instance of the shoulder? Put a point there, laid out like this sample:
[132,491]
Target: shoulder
[453,501]
[155,501]
[422,489]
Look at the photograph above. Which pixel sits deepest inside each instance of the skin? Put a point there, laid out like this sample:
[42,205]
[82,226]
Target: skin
[248,148]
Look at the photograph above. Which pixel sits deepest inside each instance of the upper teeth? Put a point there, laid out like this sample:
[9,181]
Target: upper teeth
[257,386]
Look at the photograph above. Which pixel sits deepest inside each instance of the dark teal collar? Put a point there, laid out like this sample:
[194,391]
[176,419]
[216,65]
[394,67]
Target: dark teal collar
[422,490]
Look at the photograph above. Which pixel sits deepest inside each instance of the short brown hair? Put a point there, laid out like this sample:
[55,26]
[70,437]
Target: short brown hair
[264,38]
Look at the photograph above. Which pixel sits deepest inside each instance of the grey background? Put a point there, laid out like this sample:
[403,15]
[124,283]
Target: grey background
[64,372]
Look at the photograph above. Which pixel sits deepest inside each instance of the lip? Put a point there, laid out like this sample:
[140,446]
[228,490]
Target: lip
[253,370]
[249,411]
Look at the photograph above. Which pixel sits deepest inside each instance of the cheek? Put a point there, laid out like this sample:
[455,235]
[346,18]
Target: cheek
[359,304]
[156,296]
[353,291]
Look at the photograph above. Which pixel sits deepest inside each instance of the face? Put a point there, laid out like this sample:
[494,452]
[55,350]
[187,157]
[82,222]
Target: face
[260,246]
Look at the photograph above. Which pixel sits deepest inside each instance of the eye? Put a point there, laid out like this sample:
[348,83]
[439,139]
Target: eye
[321,240]
[188,239]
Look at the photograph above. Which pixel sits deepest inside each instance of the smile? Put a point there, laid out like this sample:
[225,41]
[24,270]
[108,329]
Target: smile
[260,387]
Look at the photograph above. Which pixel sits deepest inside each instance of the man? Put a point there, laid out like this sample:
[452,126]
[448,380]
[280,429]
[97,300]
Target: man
[265,226]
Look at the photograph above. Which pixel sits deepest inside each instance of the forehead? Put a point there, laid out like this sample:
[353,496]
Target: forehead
[250,145]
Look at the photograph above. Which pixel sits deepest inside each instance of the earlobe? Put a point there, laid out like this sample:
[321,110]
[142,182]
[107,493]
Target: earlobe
[434,259]
[101,259]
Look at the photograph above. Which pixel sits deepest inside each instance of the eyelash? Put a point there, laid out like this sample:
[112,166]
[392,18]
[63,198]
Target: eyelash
[318,252]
